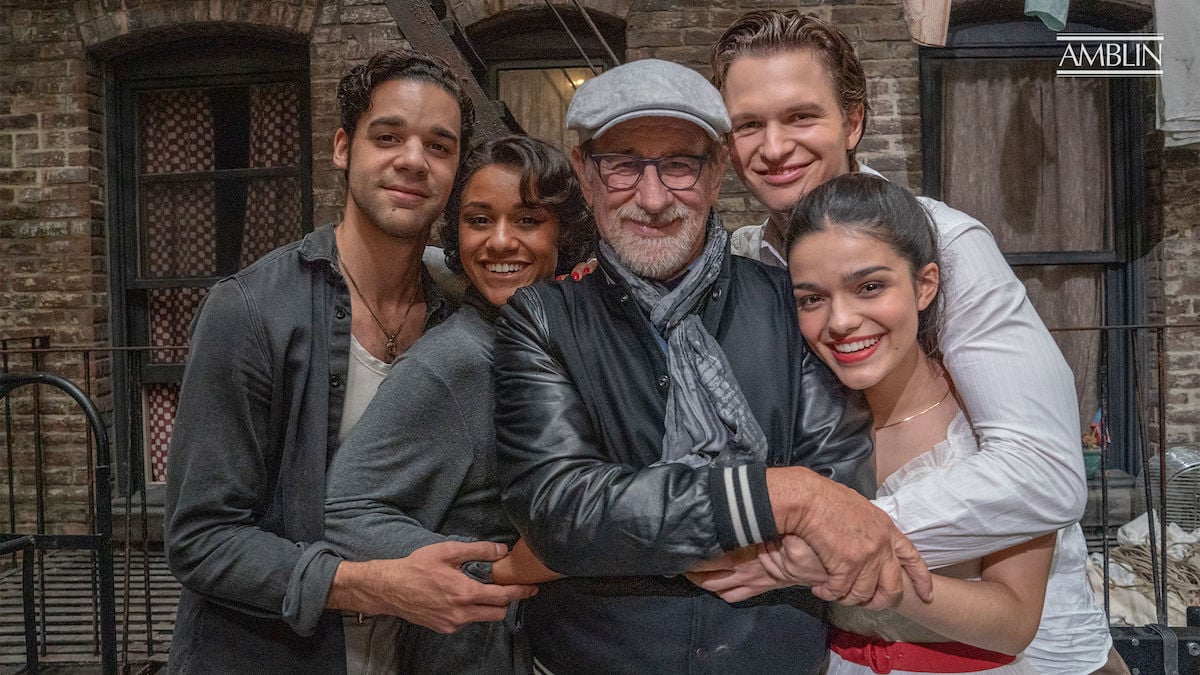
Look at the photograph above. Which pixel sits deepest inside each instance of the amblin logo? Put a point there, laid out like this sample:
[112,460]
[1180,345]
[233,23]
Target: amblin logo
[1111,55]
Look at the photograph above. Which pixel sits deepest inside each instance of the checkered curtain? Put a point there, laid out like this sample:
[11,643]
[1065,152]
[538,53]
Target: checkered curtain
[160,402]
[178,229]
[177,238]
[171,311]
[178,223]
[272,204]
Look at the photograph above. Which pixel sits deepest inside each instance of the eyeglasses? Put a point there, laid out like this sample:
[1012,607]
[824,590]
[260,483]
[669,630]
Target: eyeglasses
[622,172]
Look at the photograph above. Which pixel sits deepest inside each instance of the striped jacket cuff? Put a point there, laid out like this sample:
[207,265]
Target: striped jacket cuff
[741,505]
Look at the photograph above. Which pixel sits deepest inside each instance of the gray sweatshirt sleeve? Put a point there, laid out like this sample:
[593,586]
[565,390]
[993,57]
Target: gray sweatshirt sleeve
[397,474]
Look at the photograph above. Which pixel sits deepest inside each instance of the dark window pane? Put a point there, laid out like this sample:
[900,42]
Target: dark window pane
[175,131]
[275,125]
[216,173]
[1072,296]
[171,311]
[272,216]
[177,233]
[159,402]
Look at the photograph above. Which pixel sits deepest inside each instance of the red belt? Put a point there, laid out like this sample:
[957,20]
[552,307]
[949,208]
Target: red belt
[884,656]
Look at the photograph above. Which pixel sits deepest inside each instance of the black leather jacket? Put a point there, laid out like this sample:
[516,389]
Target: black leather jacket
[581,391]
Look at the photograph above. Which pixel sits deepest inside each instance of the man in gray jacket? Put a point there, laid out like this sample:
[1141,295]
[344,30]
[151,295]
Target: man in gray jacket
[284,357]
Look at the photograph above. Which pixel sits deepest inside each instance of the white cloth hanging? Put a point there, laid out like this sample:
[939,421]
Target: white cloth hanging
[929,20]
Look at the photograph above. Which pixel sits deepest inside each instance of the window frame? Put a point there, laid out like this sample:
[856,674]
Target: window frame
[1123,278]
[235,58]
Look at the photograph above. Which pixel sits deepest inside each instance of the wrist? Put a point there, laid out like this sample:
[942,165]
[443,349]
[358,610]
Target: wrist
[789,490]
[346,591]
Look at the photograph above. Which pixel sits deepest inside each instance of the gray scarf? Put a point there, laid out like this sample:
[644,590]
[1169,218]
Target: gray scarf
[708,420]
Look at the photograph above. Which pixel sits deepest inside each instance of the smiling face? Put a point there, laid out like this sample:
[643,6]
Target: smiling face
[655,232]
[401,162]
[790,133]
[504,243]
[858,302]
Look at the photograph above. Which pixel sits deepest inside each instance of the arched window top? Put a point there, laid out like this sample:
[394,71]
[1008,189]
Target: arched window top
[218,42]
[201,54]
[533,64]
[535,33]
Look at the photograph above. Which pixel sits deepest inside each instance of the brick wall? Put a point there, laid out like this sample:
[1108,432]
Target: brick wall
[346,33]
[52,248]
[1174,290]
[51,183]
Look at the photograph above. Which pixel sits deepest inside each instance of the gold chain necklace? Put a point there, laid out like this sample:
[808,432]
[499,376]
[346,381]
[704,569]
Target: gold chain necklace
[390,348]
[917,414]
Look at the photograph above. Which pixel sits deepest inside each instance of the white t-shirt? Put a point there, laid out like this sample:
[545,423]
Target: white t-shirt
[362,381]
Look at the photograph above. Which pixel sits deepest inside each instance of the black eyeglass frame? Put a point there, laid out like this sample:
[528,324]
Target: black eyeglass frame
[642,163]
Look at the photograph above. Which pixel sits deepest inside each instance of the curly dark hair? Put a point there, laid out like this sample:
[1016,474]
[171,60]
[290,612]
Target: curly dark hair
[773,31]
[355,89]
[874,207]
[546,180]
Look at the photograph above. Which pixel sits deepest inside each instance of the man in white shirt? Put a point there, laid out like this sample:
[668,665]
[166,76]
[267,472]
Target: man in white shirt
[797,99]
[796,96]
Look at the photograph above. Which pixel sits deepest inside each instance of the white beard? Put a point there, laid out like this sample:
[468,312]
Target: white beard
[654,258]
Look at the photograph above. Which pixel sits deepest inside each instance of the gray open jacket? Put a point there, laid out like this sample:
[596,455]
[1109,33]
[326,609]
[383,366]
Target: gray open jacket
[257,424]
[580,407]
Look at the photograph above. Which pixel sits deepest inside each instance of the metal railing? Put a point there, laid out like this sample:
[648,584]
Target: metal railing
[74,593]
[1156,646]
[26,545]
[99,539]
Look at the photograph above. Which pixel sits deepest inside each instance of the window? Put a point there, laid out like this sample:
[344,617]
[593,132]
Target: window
[529,62]
[1042,161]
[211,170]
[538,99]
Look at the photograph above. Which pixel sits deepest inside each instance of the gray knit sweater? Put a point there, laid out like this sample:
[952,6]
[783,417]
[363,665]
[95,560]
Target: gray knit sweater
[420,467]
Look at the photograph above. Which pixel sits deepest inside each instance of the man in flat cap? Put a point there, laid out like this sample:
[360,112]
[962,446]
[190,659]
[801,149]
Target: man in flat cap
[665,410]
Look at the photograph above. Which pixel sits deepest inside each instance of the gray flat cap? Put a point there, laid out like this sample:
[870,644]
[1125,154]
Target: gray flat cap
[646,88]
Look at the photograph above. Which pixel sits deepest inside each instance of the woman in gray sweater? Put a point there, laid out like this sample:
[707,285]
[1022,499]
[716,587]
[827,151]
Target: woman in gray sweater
[420,465]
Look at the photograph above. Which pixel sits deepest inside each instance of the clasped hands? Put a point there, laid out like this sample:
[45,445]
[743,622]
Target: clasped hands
[833,541]
[428,587]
